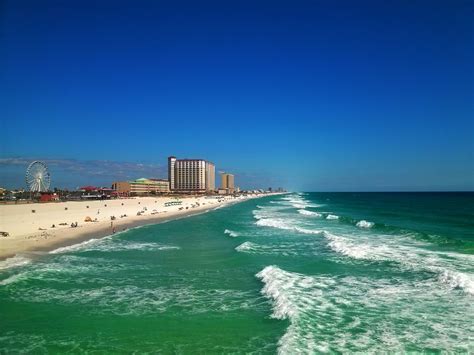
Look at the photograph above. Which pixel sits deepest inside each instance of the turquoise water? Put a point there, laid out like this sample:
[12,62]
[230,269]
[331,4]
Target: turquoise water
[309,272]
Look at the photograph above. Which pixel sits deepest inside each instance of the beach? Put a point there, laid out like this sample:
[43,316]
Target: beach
[30,226]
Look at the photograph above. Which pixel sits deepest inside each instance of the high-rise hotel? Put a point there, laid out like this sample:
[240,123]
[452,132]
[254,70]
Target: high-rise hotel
[227,183]
[191,175]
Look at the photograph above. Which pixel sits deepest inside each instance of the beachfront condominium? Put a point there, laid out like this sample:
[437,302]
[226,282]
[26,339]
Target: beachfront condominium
[227,182]
[141,186]
[191,175]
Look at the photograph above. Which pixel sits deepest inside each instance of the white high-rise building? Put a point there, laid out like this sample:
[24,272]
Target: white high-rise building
[191,175]
[171,169]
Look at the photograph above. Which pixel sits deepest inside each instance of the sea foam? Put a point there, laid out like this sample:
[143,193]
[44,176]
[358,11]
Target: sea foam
[275,223]
[136,300]
[246,246]
[231,233]
[345,247]
[364,224]
[79,246]
[275,281]
[62,268]
[319,307]
[14,261]
[109,244]
[454,270]
[455,279]
[309,213]
[283,248]
[411,257]
[297,201]
[285,225]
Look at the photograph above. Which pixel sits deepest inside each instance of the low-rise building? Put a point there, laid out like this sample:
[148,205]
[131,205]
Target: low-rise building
[49,197]
[142,186]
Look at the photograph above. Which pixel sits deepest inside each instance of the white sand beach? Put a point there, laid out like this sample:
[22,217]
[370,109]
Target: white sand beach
[30,226]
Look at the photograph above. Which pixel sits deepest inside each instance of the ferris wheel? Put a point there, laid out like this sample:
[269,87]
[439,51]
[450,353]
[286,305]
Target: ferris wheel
[37,177]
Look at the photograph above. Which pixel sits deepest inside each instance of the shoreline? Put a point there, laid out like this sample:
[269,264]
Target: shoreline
[37,242]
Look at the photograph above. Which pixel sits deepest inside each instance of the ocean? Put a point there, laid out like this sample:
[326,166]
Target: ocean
[295,273]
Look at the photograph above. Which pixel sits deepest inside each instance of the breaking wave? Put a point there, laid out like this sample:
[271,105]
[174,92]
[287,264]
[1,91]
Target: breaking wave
[364,224]
[246,246]
[412,257]
[231,233]
[454,271]
[275,223]
[14,261]
[309,213]
[280,249]
[110,244]
[458,280]
[323,311]
[59,269]
[282,224]
[297,201]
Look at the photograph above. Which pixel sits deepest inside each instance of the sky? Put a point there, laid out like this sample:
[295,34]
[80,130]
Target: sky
[308,95]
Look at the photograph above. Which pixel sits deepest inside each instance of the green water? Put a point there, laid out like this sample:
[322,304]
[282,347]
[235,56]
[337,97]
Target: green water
[308,272]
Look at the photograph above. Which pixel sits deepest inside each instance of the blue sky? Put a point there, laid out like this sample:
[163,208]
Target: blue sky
[310,95]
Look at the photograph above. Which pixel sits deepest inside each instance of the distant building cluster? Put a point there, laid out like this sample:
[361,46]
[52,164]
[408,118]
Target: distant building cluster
[185,176]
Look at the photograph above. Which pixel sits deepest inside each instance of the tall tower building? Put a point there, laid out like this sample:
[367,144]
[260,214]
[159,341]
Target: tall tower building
[227,182]
[191,175]
[210,176]
[171,171]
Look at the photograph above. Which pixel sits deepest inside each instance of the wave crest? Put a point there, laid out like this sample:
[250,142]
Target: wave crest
[14,261]
[364,224]
[285,225]
[309,213]
[409,257]
[231,233]
[246,246]
[458,280]
[109,244]
[322,312]
[275,279]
